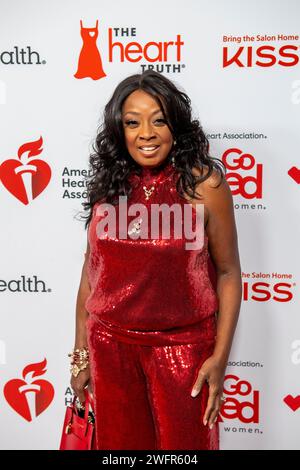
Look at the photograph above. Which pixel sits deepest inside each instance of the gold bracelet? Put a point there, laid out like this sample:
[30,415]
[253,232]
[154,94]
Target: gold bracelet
[79,360]
[75,369]
[79,355]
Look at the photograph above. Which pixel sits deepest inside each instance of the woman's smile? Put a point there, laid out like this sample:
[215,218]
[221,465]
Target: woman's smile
[149,150]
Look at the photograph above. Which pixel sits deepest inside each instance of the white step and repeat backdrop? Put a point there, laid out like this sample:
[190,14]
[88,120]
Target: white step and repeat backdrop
[239,63]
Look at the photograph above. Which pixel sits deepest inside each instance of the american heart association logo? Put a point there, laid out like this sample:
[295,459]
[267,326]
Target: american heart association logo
[26,177]
[29,398]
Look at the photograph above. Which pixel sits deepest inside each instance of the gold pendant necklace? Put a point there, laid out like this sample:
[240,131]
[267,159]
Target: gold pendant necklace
[148,192]
[160,178]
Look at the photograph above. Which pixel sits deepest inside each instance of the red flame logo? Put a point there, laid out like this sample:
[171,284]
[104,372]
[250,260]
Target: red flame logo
[26,177]
[29,398]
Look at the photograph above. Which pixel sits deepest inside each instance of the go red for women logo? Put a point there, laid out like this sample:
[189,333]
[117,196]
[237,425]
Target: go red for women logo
[29,398]
[248,186]
[242,402]
[26,177]
[165,53]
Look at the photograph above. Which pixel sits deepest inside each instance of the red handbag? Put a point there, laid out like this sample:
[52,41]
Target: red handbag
[79,427]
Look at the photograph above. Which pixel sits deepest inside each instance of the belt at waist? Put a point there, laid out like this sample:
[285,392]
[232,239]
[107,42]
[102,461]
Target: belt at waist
[203,332]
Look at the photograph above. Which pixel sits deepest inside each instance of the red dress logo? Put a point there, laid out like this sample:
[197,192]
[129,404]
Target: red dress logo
[27,177]
[89,63]
[29,398]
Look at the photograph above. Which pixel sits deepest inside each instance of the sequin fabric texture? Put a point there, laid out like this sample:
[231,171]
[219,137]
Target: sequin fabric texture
[151,292]
[152,324]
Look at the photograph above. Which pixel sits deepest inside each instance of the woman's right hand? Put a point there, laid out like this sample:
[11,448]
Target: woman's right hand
[80,382]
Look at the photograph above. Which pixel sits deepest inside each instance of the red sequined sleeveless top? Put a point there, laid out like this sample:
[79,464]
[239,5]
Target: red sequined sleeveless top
[150,291]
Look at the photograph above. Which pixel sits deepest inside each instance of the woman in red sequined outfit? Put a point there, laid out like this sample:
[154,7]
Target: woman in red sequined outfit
[158,318]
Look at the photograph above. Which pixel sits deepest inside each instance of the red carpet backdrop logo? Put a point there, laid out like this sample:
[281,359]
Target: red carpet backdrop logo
[163,56]
[242,401]
[294,173]
[292,402]
[268,286]
[29,398]
[89,63]
[27,177]
[236,160]
[260,50]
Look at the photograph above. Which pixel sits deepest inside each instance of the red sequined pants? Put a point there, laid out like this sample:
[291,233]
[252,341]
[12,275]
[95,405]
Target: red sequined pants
[143,397]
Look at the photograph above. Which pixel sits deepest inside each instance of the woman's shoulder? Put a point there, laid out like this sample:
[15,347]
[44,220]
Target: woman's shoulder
[212,180]
[214,186]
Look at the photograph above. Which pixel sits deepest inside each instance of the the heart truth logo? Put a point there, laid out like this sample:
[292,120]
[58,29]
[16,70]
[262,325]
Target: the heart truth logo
[89,63]
[166,55]
[29,398]
[26,177]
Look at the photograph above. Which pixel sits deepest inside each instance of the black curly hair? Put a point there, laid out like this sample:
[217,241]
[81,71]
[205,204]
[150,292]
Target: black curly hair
[111,164]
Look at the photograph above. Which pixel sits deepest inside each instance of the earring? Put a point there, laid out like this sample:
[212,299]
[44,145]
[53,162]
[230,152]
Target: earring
[172,158]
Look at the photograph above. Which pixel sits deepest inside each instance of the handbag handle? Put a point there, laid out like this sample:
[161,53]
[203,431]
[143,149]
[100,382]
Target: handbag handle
[88,401]
[88,398]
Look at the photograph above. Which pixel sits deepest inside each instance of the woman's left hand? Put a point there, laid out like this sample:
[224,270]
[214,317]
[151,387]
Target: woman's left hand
[213,372]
